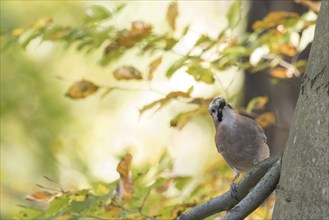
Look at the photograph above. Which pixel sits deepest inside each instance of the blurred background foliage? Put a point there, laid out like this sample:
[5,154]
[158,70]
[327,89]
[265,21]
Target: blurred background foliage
[104,103]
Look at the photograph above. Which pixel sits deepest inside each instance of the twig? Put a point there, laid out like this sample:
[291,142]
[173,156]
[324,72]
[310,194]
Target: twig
[225,201]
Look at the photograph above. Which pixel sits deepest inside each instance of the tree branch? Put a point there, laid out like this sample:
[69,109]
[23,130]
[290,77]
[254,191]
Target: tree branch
[225,202]
[258,194]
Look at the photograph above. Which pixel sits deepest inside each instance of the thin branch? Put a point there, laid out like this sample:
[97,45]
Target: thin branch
[225,202]
[258,195]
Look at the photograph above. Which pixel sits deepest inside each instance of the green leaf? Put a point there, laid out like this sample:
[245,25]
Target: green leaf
[176,66]
[28,213]
[96,13]
[111,56]
[183,118]
[58,205]
[234,14]
[181,182]
[200,73]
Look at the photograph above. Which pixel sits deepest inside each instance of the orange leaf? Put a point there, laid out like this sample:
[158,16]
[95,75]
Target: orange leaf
[266,119]
[125,187]
[81,89]
[279,73]
[41,196]
[287,49]
[127,73]
[153,66]
[172,14]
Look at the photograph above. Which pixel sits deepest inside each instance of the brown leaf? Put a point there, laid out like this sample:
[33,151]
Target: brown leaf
[273,19]
[266,119]
[128,38]
[127,73]
[153,66]
[279,73]
[172,14]
[81,89]
[110,48]
[140,29]
[125,187]
[162,102]
[41,196]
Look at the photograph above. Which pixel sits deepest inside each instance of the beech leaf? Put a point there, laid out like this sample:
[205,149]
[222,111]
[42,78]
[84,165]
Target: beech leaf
[153,66]
[81,89]
[127,73]
[172,14]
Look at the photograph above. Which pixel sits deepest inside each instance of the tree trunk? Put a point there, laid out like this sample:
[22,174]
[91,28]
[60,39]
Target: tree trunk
[303,190]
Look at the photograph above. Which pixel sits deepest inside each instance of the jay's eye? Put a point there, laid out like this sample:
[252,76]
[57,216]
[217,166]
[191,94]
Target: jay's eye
[213,110]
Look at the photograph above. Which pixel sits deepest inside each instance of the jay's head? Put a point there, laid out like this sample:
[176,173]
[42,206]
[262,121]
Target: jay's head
[217,107]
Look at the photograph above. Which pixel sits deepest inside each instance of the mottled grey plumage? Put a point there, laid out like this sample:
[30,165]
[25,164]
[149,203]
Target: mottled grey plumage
[240,140]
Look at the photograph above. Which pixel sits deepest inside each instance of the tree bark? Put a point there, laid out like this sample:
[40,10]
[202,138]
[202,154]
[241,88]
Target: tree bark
[303,190]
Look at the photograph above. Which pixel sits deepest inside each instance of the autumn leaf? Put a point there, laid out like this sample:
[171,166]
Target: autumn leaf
[128,38]
[287,49]
[125,186]
[257,103]
[153,66]
[172,14]
[17,31]
[42,196]
[183,118]
[274,19]
[81,89]
[140,29]
[266,119]
[279,73]
[127,73]
[162,102]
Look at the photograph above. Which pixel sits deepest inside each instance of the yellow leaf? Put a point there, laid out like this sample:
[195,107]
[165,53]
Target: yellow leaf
[102,190]
[81,89]
[266,119]
[172,14]
[127,73]
[17,32]
[257,103]
[279,73]
[125,187]
[153,66]
[274,19]
[41,196]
